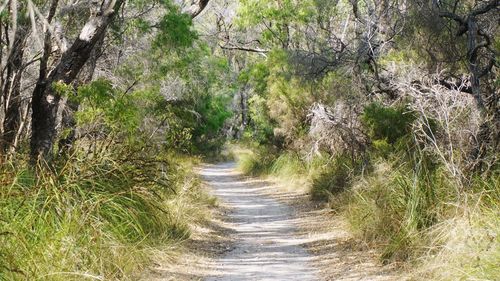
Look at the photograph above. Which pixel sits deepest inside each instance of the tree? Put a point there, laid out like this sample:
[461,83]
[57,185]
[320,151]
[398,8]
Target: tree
[46,99]
[479,24]
[12,73]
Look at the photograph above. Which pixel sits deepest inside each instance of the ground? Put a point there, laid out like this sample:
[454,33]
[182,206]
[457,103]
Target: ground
[261,231]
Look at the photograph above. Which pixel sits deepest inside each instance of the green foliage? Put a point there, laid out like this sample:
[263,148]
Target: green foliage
[93,217]
[62,89]
[175,31]
[195,127]
[288,101]
[115,111]
[334,177]
[387,123]
[281,14]
[97,214]
[262,125]
[255,75]
[214,113]
[195,114]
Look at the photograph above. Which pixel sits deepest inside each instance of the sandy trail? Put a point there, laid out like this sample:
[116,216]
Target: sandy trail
[266,247]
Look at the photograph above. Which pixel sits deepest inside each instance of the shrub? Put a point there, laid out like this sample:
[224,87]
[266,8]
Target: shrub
[97,218]
[334,177]
[387,123]
[256,161]
[395,204]
[288,166]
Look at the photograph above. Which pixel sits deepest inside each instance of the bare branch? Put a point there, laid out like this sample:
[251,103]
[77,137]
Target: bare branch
[246,49]
[492,4]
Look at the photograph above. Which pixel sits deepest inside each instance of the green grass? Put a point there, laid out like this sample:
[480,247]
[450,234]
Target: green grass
[288,167]
[333,177]
[408,207]
[395,204]
[97,219]
[254,161]
[417,216]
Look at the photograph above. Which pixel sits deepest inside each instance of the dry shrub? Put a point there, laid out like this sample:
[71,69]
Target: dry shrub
[447,125]
[336,129]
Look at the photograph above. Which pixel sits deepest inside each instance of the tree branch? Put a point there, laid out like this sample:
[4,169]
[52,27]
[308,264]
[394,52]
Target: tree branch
[492,4]
[197,6]
[246,49]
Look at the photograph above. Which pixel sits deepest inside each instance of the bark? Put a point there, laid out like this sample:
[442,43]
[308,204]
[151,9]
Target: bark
[45,102]
[196,7]
[12,88]
[473,62]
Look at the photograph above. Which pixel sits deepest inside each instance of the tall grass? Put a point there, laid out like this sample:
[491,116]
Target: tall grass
[392,206]
[288,167]
[407,205]
[91,220]
[333,177]
[463,247]
[416,214]
[254,161]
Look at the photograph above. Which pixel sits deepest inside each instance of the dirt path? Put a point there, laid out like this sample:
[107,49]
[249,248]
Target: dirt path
[262,230]
[265,247]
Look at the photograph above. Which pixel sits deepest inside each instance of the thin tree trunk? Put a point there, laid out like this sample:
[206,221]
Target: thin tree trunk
[46,99]
[12,88]
[473,62]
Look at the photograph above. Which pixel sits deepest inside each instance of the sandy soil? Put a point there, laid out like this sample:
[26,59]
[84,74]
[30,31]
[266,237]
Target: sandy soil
[263,231]
[265,248]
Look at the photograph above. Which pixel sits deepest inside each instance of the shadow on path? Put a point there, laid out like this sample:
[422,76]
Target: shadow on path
[266,247]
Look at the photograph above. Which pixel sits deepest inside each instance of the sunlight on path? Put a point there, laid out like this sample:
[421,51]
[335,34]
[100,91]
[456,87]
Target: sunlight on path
[265,247]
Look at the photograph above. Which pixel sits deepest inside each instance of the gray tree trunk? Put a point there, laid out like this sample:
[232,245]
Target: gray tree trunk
[12,88]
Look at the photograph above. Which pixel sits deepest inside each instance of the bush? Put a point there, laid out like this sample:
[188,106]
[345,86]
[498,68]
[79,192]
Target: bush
[395,204]
[387,123]
[256,161]
[333,178]
[97,218]
[288,166]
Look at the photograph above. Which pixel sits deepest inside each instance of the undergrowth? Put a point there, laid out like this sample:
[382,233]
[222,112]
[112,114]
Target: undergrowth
[96,219]
[411,212]
[401,196]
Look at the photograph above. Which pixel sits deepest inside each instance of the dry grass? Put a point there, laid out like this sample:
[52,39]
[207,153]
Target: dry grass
[464,247]
[193,259]
[324,233]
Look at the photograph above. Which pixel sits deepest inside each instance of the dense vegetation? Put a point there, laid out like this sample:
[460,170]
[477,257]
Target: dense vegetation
[100,134]
[388,111]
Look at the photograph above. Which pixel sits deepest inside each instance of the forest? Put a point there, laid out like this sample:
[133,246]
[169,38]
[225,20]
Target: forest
[384,112]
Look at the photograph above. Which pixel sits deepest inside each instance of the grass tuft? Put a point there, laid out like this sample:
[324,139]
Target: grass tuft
[93,220]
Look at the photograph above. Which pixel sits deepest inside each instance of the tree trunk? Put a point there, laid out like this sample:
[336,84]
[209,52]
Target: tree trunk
[69,107]
[473,62]
[12,88]
[45,97]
